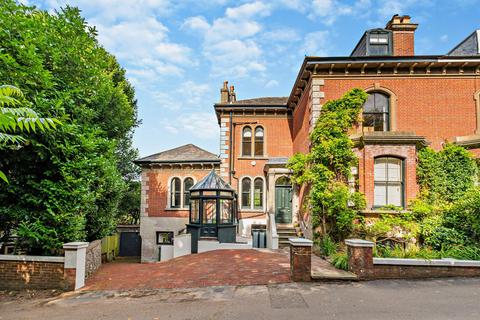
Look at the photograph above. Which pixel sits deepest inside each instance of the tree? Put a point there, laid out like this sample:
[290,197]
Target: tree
[64,185]
[15,119]
[326,169]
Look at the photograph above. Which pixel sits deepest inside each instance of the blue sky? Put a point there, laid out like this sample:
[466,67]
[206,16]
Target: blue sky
[178,53]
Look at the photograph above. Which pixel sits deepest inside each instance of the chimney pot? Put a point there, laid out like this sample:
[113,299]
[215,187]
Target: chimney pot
[224,93]
[403,31]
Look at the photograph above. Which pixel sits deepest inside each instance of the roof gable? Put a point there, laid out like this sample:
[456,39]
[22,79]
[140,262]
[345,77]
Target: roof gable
[186,153]
[468,47]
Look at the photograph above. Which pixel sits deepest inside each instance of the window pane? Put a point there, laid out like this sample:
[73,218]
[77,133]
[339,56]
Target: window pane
[394,169]
[376,112]
[226,211]
[195,217]
[394,194]
[175,193]
[258,194]
[246,190]
[259,141]
[209,211]
[388,176]
[247,141]
[187,184]
[380,194]
[380,169]
[381,102]
[369,105]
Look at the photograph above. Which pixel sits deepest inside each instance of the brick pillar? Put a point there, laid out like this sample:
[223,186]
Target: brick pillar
[360,257]
[74,268]
[300,259]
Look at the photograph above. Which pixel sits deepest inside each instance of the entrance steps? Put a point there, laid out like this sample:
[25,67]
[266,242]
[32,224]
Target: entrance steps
[285,232]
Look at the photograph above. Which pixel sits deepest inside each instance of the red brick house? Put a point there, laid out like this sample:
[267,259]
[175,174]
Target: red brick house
[414,101]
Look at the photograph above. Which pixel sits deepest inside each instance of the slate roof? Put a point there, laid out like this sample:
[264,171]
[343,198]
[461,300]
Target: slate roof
[184,154]
[468,47]
[262,101]
[212,182]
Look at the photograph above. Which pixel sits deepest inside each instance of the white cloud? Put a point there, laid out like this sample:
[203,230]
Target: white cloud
[202,125]
[328,11]
[316,43]
[230,42]
[271,83]
[248,10]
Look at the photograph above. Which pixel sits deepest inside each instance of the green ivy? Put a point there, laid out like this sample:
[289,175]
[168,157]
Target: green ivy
[445,175]
[326,168]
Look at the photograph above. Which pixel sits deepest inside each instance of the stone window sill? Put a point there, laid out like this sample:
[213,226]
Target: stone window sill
[253,158]
[176,209]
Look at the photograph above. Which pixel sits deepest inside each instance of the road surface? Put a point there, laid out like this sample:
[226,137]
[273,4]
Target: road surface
[392,299]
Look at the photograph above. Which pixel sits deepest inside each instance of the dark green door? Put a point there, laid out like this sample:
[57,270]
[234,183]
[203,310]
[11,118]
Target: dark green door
[283,203]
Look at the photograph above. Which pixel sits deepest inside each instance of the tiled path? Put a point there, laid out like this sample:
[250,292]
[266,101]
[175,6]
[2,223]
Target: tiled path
[213,268]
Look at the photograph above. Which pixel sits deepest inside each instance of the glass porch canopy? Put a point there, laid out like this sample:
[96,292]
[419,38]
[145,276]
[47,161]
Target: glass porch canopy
[213,209]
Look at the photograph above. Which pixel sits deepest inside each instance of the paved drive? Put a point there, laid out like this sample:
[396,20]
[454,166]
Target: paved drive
[434,299]
[213,268]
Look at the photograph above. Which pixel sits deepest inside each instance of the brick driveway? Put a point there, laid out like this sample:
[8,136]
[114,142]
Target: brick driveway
[213,268]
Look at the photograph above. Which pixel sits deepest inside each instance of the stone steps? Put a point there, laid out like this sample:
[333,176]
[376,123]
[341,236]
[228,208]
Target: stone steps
[283,234]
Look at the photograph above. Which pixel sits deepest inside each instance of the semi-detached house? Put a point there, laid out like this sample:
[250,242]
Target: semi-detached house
[413,101]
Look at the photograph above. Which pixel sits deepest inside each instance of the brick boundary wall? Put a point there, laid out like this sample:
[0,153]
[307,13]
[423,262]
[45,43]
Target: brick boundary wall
[93,259]
[362,263]
[29,272]
[20,272]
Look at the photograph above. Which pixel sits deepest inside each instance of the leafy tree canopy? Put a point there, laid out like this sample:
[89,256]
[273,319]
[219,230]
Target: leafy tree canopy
[66,184]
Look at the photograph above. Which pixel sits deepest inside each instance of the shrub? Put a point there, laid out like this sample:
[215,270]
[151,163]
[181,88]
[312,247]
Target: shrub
[340,260]
[462,252]
[327,246]
[464,216]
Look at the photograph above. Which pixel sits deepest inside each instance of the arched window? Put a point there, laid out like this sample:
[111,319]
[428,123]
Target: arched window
[246,193]
[175,193]
[187,184]
[258,193]
[376,112]
[259,141]
[247,141]
[389,182]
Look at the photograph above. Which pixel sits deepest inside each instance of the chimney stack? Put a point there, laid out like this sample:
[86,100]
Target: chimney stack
[403,35]
[224,93]
[233,95]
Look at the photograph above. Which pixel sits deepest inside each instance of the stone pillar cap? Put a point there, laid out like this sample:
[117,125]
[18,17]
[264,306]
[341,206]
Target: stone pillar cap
[359,243]
[75,245]
[300,242]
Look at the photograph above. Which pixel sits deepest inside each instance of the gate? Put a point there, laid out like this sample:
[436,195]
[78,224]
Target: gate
[130,244]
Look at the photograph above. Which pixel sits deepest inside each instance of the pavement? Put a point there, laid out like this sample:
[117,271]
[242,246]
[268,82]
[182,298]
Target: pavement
[382,299]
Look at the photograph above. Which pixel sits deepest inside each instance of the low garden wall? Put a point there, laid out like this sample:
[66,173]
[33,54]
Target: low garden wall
[366,267]
[33,272]
[19,272]
[93,259]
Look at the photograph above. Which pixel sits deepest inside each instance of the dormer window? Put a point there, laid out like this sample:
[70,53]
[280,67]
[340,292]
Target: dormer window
[379,42]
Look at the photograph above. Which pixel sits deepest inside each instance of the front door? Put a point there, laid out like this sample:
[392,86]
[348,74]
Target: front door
[283,201]
[209,217]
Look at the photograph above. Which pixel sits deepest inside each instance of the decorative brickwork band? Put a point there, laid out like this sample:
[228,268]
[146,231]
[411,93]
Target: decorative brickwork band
[300,259]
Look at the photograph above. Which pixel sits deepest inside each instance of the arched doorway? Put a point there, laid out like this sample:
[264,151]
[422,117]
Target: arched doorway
[283,200]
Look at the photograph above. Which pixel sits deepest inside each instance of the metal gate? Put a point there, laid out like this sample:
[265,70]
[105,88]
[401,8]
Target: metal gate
[130,244]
